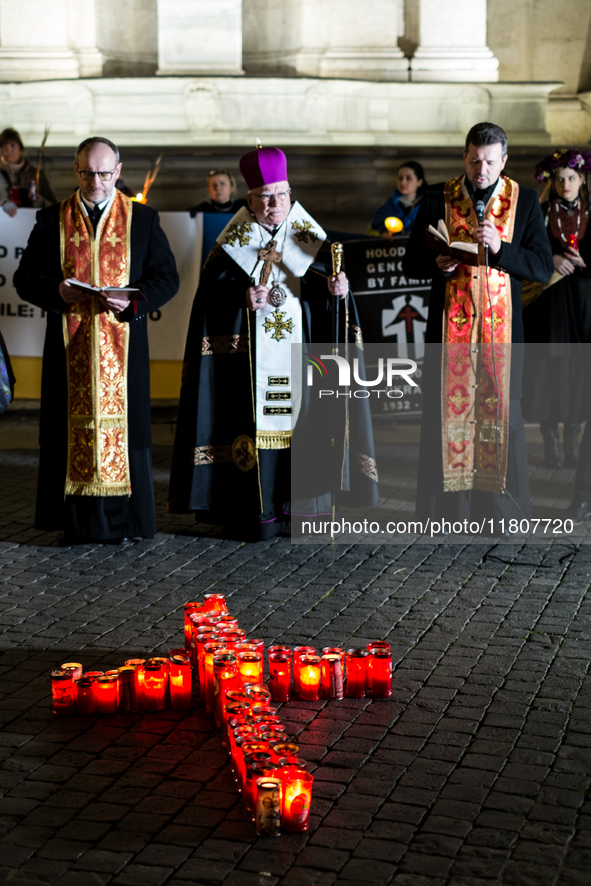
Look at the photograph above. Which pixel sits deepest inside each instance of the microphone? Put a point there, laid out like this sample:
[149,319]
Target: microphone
[479,208]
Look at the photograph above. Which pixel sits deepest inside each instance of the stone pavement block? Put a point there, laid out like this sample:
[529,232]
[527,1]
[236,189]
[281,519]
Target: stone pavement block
[275,862]
[307,877]
[382,850]
[359,871]
[204,869]
[143,875]
[322,858]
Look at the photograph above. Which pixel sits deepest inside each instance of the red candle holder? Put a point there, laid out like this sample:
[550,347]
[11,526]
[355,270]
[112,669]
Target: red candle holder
[273,735]
[250,666]
[207,688]
[216,603]
[198,658]
[257,692]
[106,694]
[380,668]
[180,682]
[297,799]
[245,759]
[225,675]
[263,707]
[155,680]
[232,636]
[357,660]
[259,645]
[75,669]
[62,692]
[266,723]
[279,675]
[128,690]
[189,609]
[256,769]
[332,675]
[138,664]
[233,696]
[286,650]
[573,241]
[297,664]
[244,731]
[227,621]
[375,644]
[335,650]
[310,677]
[284,749]
[268,806]
[232,712]
[85,700]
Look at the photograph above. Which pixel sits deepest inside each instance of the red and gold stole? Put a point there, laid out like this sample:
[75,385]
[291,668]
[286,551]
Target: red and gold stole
[96,350]
[476,347]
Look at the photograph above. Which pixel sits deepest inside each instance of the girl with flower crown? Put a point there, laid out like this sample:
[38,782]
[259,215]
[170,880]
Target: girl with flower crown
[559,311]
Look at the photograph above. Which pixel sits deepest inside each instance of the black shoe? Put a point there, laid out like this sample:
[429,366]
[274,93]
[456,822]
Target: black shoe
[578,512]
[551,453]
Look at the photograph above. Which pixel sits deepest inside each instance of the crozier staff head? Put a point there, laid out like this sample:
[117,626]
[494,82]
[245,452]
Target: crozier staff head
[265,173]
[485,154]
[97,166]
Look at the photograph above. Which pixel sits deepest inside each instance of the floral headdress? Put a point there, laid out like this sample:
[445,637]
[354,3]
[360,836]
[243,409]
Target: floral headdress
[563,159]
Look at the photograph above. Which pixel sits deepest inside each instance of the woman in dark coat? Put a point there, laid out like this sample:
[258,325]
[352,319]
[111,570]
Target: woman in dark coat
[558,313]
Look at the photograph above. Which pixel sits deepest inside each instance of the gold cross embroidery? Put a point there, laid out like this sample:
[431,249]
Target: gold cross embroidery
[495,321]
[76,239]
[459,321]
[278,324]
[459,399]
[303,231]
[113,239]
[239,233]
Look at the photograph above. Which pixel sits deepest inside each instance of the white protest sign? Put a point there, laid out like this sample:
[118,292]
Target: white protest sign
[23,325]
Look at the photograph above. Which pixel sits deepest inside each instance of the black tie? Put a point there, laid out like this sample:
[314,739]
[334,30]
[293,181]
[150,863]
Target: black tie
[94,216]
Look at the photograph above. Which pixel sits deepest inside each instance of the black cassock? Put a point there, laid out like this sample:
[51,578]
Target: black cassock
[528,257]
[37,279]
[216,407]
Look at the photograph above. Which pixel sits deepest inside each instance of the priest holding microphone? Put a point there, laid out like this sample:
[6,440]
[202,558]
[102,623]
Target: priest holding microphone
[472,459]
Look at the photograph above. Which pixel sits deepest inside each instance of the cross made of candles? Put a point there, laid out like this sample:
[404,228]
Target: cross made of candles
[228,669]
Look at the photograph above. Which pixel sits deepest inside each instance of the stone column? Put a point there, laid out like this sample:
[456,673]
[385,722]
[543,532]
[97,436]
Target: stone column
[199,37]
[34,41]
[452,43]
[82,37]
[363,43]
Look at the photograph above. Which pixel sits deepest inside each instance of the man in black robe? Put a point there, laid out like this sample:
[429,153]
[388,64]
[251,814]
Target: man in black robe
[90,507]
[521,253]
[268,283]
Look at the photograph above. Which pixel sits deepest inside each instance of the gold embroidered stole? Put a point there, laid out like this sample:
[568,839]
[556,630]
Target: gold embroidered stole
[476,337]
[97,346]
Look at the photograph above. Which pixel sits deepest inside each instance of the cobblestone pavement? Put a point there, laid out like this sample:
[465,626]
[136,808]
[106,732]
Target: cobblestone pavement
[476,772]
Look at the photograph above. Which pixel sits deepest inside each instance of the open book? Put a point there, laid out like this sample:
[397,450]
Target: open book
[438,239]
[133,294]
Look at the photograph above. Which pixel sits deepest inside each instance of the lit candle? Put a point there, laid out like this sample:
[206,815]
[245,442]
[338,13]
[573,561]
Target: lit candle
[250,665]
[256,769]
[259,645]
[263,707]
[274,734]
[268,806]
[232,636]
[297,654]
[128,690]
[216,603]
[246,760]
[233,710]
[62,692]
[180,682]
[284,749]
[310,677]
[280,648]
[227,621]
[257,692]
[335,650]
[297,800]
[138,664]
[266,722]
[155,679]
[198,661]
[106,694]
[393,224]
[238,734]
[233,696]
[74,667]
[356,672]
[85,700]
[380,665]
[225,674]
[207,688]
[332,675]
[279,675]
[375,644]
[189,609]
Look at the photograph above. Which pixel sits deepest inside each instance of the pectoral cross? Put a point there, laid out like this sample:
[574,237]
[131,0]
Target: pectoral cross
[269,256]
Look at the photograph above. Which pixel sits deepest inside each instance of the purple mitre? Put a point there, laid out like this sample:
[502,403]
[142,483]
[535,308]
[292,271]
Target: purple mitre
[265,166]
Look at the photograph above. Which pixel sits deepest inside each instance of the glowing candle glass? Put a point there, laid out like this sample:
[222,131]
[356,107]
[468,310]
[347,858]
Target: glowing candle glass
[297,799]
[256,769]
[286,650]
[233,696]
[128,690]
[257,692]
[250,665]
[92,675]
[198,659]
[310,677]
[62,692]
[356,672]
[227,621]
[232,636]
[246,759]
[283,749]
[190,608]
[332,675]
[155,679]
[380,666]
[279,675]
[232,712]
[74,667]
[207,687]
[268,806]
[297,664]
[138,664]
[225,671]
[180,682]
[85,701]
[216,603]
[375,644]
[106,694]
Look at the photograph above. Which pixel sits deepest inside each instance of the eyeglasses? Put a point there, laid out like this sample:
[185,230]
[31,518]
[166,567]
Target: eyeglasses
[87,175]
[280,197]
